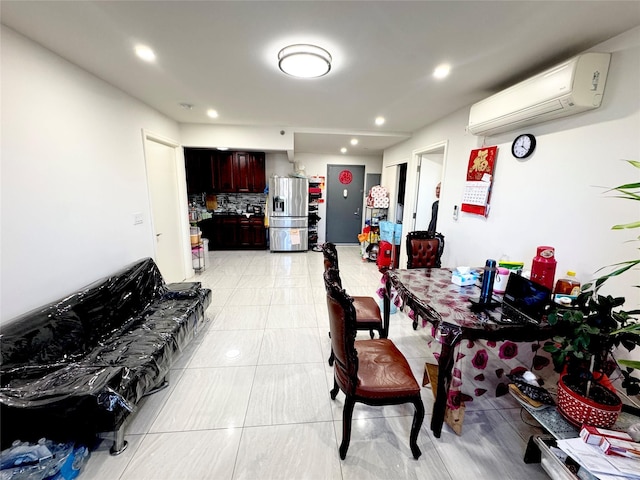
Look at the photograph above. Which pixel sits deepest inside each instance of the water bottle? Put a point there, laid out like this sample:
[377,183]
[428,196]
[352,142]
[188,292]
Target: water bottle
[488,277]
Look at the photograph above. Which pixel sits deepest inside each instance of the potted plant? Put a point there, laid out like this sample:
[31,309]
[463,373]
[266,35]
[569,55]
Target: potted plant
[589,332]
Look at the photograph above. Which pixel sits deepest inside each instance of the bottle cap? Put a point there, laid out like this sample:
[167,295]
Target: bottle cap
[571,273]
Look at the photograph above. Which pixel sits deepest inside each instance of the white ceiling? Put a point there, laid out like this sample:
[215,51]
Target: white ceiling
[223,55]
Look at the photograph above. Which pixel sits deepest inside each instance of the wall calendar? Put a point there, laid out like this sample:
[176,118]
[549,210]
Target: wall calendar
[477,189]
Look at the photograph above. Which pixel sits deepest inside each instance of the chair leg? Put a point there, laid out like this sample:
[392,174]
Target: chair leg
[335,390]
[331,358]
[371,333]
[418,417]
[347,412]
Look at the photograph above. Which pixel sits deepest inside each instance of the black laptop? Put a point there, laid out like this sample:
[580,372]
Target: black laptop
[524,301]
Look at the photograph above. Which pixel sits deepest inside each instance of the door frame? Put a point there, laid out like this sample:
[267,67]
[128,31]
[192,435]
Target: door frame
[183,249]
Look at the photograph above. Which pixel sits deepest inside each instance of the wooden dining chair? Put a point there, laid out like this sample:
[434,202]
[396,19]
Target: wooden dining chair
[424,249]
[368,316]
[372,371]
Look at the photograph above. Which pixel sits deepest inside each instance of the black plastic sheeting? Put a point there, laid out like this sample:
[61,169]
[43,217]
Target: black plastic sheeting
[80,365]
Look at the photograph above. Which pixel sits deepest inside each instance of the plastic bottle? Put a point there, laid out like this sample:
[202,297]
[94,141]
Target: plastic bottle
[568,285]
[543,268]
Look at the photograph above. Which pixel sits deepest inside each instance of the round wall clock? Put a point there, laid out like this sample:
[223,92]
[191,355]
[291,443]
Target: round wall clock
[523,145]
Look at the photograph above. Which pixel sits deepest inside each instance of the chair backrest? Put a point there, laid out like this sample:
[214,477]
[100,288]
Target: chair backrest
[424,249]
[342,324]
[330,256]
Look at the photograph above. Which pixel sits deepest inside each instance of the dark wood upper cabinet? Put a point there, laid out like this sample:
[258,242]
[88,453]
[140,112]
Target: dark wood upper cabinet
[223,177]
[243,176]
[213,171]
[258,168]
[198,163]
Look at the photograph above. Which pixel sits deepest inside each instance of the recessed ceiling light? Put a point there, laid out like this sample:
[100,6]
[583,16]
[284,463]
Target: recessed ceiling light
[145,53]
[380,120]
[305,61]
[343,150]
[442,71]
[354,141]
[212,113]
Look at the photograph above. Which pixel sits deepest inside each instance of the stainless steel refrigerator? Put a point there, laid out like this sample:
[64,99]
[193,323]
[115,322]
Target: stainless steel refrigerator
[288,214]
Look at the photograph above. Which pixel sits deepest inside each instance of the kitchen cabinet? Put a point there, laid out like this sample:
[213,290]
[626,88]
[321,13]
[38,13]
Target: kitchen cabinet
[252,233]
[213,171]
[223,166]
[198,166]
[234,232]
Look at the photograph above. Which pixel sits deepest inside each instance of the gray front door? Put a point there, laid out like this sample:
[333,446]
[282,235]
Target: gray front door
[345,197]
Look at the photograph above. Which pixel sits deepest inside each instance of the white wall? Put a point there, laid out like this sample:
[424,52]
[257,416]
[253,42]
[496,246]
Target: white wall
[553,198]
[73,175]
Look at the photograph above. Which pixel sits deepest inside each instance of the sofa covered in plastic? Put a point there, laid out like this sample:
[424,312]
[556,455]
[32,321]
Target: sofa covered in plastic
[79,366]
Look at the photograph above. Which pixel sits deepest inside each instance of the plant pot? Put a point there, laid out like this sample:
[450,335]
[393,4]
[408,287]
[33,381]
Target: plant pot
[579,410]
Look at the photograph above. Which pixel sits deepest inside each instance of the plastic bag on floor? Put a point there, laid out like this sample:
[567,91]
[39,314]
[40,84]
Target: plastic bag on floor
[45,460]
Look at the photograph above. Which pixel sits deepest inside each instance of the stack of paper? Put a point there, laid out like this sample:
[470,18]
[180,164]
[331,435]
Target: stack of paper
[605,467]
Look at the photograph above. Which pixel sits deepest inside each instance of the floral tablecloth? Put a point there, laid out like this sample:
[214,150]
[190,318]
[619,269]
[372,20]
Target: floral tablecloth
[429,296]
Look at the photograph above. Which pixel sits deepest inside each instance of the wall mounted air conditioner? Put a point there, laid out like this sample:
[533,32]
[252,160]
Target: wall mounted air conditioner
[571,87]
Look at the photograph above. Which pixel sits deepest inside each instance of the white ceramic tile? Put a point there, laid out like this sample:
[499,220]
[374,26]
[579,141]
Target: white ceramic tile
[289,394]
[253,280]
[306,450]
[207,398]
[150,406]
[241,317]
[292,296]
[290,345]
[197,455]
[489,447]
[251,296]
[227,348]
[379,449]
[291,316]
[101,465]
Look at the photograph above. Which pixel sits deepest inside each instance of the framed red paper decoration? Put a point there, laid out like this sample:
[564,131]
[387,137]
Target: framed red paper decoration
[477,189]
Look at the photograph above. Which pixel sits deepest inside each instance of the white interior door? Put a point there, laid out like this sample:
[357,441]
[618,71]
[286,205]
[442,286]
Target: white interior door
[164,196]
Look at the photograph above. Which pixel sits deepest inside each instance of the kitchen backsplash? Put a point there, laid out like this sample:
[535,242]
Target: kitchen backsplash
[227,203]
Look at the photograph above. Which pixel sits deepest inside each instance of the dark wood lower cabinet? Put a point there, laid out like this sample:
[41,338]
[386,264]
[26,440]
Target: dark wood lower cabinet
[234,232]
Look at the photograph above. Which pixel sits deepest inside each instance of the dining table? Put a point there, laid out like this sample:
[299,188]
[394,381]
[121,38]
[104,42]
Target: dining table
[453,312]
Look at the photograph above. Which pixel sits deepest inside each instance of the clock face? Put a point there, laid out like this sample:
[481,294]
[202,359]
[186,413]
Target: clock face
[523,145]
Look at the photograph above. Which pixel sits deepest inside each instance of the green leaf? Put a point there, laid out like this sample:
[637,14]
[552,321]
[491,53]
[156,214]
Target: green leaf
[630,363]
[626,225]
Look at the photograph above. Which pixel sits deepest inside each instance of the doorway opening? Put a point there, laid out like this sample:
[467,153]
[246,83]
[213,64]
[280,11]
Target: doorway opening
[430,169]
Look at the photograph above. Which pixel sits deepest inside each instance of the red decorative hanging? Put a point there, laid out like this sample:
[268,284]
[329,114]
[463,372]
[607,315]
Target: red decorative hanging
[345,177]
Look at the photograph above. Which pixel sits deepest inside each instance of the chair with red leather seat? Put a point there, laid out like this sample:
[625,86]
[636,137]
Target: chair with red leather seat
[368,316]
[373,372]
[424,249]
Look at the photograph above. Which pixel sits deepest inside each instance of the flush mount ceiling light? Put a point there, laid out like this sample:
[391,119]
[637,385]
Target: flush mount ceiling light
[379,121]
[305,61]
[343,150]
[354,141]
[211,113]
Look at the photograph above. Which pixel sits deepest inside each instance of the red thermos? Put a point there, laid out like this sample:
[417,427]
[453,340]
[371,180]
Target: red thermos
[543,269]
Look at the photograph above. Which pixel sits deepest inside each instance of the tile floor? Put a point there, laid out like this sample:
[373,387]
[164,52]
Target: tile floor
[249,398]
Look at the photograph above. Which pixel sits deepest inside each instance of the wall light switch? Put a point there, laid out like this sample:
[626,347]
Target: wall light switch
[455,212]
[137,219]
